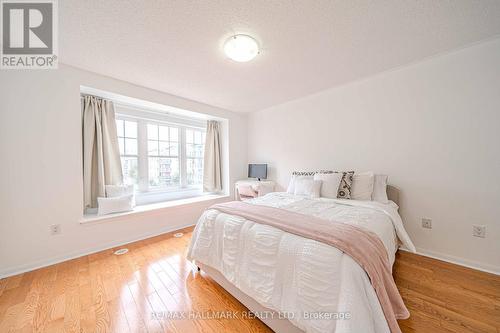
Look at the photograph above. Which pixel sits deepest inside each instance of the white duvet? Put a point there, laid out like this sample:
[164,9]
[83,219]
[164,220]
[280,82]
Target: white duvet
[299,277]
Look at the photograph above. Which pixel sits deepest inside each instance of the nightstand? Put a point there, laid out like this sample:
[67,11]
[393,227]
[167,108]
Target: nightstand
[252,188]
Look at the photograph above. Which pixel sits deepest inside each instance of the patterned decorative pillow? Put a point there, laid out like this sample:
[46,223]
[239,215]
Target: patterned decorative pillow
[345,184]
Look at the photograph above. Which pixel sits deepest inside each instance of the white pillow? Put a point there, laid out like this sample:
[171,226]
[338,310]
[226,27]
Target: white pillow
[114,191]
[307,186]
[293,180]
[380,189]
[330,183]
[362,186]
[118,190]
[114,205]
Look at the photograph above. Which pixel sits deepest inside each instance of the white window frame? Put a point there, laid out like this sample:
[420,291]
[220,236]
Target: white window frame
[144,193]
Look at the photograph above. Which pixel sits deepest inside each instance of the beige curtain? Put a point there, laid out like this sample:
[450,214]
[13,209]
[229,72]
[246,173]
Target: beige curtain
[101,154]
[212,165]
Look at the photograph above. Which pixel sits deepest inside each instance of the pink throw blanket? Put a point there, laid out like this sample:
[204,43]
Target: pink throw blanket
[360,244]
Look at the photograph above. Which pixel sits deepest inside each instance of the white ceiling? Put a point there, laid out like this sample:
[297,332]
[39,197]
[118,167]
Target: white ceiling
[307,46]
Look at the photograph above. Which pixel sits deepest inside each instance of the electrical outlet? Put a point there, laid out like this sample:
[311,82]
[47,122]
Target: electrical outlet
[426,223]
[479,231]
[55,229]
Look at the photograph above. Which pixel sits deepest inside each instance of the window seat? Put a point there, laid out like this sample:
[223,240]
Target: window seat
[144,209]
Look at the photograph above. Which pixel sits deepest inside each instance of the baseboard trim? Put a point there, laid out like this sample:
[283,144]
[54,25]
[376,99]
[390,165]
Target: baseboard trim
[58,259]
[458,261]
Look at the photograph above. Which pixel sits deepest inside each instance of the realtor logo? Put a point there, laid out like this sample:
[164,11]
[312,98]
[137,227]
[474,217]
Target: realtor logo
[29,39]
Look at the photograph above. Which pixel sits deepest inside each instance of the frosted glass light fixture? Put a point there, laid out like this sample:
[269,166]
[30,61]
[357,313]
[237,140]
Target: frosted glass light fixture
[241,48]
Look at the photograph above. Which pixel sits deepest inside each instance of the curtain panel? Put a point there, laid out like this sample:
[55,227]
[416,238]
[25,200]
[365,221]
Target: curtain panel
[101,153]
[212,165]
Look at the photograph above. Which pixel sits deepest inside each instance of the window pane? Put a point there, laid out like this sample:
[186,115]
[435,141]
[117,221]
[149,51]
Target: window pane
[174,134]
[163,172]
[203,138]
[194,171]
[152,132]
[174,149]
[197,137]
[189,150]
[154,172]
[130,129]
[129,169]
[163,133]
[164,148]
[198,150]
[152,147]
[130,146]
[121,145]
[199,171]
[189,136]
[119,127]
[190,170]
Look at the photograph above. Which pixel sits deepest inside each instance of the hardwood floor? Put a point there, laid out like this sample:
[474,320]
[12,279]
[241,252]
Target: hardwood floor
[107,293]
[443,297]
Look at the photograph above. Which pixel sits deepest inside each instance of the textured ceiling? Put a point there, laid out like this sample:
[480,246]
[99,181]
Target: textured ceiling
[307,46]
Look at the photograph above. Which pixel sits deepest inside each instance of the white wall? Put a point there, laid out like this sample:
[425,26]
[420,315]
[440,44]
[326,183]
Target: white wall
[434,127]
[41,168]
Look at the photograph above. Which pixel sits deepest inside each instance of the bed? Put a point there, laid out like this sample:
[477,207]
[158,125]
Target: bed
[296,284]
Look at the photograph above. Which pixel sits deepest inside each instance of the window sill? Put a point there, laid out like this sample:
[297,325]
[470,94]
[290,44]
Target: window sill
[89,218]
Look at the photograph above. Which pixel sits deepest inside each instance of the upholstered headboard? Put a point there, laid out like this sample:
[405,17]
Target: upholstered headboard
[393,194]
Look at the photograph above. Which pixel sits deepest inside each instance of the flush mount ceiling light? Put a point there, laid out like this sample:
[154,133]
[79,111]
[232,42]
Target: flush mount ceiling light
[241,48]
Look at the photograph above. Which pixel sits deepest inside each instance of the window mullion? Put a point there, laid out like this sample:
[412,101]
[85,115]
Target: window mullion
[142,150]
[182,157]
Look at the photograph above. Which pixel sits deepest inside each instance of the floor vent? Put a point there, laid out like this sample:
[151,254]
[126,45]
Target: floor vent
[178,235]
[121,251]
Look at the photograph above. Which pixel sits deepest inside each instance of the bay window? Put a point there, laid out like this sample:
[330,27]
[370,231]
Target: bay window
[159,157]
